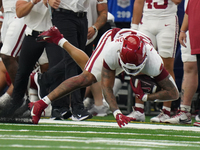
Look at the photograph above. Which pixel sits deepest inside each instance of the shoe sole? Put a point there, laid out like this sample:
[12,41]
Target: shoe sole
[101,115]
[157,121]
[82,118]
[197,124]
[189,122]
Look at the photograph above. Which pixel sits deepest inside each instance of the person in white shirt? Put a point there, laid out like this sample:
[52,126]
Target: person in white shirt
[97,18]
[37,19]
[12,35]
[70,17]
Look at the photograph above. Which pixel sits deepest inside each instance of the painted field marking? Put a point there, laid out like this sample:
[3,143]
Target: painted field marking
[130,125]
[105,141]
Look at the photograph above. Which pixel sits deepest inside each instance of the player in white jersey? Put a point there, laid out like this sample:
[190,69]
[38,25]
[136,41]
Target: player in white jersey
[118,50]
[12,35]
[158,20]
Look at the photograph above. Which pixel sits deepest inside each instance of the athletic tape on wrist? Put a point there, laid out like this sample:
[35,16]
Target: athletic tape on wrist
[46,100]
[61,42]
[144,98]
[116,112]
[182,31]
[95,29]
[33,2]
[103,1]
[134,26]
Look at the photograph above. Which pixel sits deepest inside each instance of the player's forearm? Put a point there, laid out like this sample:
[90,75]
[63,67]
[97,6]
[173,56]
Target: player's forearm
[110,98]
[184,26]
[102,15]
[23,8]
[169,90]
[137,11]
[107,82]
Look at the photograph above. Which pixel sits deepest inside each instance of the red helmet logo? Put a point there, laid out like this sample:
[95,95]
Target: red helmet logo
[133,54]
[132,50]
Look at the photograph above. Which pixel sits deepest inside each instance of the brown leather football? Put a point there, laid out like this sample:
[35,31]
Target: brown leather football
[148,84]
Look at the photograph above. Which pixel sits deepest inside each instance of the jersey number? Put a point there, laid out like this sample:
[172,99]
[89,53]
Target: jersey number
[156,5]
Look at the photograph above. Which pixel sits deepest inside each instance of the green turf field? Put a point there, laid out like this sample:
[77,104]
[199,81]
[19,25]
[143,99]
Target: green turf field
[98,133]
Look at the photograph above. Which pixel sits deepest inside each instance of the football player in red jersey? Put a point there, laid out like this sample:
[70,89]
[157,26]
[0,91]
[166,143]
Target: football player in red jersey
[118,50]
[158,20]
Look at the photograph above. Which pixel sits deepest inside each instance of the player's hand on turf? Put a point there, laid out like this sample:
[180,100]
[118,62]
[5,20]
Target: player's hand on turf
[122,120]
[137,89]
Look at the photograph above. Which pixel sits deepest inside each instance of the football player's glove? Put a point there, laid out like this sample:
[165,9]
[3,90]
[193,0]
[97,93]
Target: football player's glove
[122,120]
[52,35]
[137,89]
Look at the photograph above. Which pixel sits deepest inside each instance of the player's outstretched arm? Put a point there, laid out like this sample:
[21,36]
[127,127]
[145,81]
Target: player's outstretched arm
[53,35]
[107,82]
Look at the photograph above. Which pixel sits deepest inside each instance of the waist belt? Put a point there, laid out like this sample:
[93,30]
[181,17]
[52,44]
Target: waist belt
[80,14]
[36,33]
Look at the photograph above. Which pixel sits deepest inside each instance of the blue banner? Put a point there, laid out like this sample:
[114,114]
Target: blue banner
[122,10]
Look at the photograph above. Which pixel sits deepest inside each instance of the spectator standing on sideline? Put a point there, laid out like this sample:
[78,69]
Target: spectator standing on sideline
[190,23]
[159,21]
[97,18]
[190,80]
[12,35]
[111,58]
[37,18]
[70,16]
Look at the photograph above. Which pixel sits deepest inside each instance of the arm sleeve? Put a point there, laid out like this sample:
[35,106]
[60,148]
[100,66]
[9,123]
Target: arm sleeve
[162,75]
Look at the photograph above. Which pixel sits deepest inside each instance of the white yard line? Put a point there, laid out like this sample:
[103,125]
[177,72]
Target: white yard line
[90,132]
[130,125]
[116,142]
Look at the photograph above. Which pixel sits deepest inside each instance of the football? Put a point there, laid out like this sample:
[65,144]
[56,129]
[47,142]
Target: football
[148,84]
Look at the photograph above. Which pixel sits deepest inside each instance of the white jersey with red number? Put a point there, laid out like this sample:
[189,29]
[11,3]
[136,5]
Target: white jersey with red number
[159,8]
[108,48]
[9,5]
[160,24]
